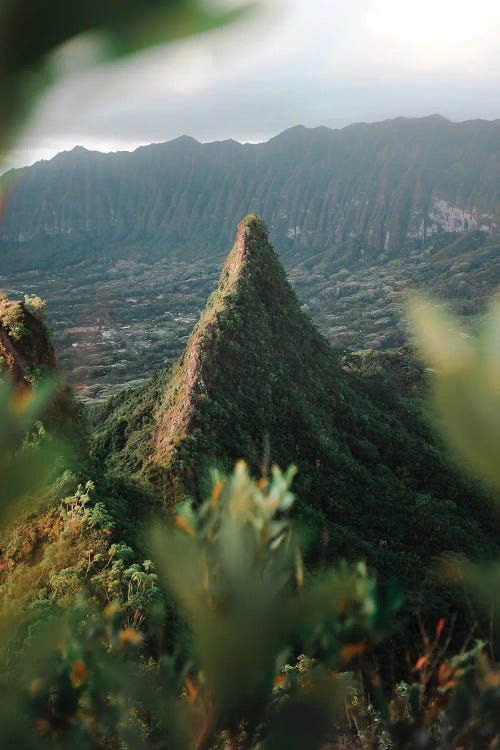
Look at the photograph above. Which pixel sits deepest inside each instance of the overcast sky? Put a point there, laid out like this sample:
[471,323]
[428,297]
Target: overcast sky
[310,62]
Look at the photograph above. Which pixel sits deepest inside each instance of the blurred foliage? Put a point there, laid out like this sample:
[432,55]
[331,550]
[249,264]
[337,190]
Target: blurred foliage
[28,458]
[235,567]
[30,34]
[466,383]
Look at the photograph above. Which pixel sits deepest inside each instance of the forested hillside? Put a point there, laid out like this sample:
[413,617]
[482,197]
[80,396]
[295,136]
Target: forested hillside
[382,184]
[258,382]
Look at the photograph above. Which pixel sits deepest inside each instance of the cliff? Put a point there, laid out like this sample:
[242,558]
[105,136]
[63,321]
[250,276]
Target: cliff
[25,346]
[384,185]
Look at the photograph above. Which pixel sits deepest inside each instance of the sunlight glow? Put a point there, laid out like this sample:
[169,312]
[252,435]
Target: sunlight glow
[441,30]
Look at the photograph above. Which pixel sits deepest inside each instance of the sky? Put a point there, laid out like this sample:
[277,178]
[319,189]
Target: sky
[309,62]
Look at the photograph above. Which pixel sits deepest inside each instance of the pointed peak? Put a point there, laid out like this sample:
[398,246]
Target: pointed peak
[253,221]
[252,279]
[251,230]
[251,248]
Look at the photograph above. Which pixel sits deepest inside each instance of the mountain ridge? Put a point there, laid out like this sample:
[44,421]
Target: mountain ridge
[358,216]
[175,420]
[323,194]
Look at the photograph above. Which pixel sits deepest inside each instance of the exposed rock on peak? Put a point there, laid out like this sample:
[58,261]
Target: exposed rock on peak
[252,279]
[27,357]
[24,343]
[252,236]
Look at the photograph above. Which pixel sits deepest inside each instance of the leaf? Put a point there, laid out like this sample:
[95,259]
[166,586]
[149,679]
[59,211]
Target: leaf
[440,627]
[78,673]
[442,342]
[216,493]
[184,525]
[444,673]
[466,384]
[299,569]
[191,689]
[351,650]
[31,32]
[129,637]
[420,663]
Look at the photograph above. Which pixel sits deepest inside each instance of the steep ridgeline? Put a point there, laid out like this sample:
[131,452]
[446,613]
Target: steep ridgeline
[383,185]
[258,381]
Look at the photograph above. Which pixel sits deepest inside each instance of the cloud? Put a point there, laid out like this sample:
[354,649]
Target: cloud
[326,62]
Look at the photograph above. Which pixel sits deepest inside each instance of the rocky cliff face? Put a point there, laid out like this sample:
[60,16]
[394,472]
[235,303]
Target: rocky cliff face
[27,359]
[25,346]
[382,185]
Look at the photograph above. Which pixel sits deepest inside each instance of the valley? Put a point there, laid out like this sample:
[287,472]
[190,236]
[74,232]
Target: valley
[116,322]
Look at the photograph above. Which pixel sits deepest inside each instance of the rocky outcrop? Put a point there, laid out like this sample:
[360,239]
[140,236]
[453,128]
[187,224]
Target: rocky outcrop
[25,347]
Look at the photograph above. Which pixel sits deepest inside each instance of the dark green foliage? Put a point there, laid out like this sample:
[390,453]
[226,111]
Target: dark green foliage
[30,35]
[348,192]
[128,443]
[268,388]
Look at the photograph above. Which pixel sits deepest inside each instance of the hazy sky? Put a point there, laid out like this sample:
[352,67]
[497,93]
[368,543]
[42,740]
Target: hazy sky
[313,62]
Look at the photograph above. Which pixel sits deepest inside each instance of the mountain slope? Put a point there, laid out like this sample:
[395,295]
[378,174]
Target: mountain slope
[25,346]
[257,381]
[127,247]
[383,184]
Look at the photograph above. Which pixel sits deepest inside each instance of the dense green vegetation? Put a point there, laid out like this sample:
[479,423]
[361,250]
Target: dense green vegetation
[226,625]
[381,184]
[257,381]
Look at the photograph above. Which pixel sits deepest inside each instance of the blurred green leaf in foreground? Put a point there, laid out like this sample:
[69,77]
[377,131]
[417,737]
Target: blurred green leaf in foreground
[27,456]
[31,32]
[465,382]
[235,568]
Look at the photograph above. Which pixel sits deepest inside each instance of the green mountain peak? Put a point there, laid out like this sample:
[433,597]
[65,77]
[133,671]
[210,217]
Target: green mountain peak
[257,381]
[238,343]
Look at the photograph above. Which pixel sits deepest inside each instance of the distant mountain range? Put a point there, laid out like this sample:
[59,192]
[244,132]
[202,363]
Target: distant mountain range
[383,184]
[127,246]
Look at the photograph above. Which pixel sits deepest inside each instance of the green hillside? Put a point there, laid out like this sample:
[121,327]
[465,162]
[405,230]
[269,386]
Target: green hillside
[382,184]
[258,381]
